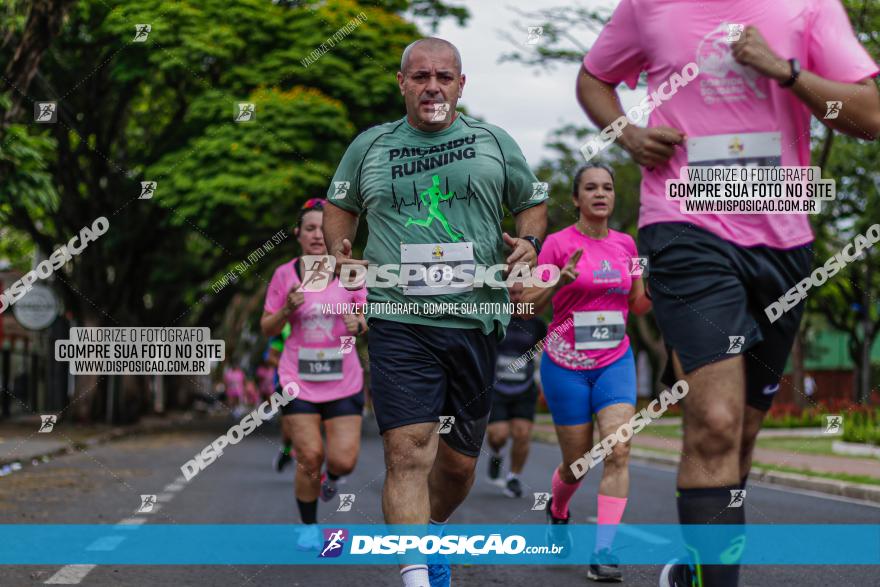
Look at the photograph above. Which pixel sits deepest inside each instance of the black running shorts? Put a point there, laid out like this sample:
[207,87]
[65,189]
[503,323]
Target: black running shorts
[708,292]
[506,407]
[420,373]
[352,405]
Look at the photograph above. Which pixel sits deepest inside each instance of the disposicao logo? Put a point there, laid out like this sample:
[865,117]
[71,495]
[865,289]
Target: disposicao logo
[334,542]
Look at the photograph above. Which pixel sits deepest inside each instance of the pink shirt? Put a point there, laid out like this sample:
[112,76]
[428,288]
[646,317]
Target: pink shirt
[601,288]
[661,37]
[320,333]
[266,377]
[234,380]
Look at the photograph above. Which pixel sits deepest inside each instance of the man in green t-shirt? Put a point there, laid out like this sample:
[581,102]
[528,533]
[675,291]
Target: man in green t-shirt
[434,186]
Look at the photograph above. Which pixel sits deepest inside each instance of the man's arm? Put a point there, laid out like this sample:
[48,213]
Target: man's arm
[647,146]
[860,115]
[340,228]
[529,222]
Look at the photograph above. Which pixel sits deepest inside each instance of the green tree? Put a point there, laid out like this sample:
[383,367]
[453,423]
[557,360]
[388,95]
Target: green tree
[163,110]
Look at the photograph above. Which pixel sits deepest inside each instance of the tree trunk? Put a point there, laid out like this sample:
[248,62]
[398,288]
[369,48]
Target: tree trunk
[43,24]
[85,405]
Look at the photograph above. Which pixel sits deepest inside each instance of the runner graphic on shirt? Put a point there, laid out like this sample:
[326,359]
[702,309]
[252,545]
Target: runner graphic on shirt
[432,197]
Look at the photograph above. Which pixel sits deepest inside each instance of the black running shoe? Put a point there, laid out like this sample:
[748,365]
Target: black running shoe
[281,461]
[557,533]
[495,468]
[328,488]
[676,574]
[513,488]
[604,567]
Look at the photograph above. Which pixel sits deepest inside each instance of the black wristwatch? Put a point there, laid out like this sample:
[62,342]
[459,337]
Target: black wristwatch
[536,242]
[795,72]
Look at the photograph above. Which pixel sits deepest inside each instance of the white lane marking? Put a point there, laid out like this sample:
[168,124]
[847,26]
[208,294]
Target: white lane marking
[105,543]
[164,497]
[70,575]
[181,480]
[173,487]
[635,533]
[130,523]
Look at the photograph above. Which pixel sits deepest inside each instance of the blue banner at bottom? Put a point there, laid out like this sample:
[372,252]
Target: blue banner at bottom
[359,544]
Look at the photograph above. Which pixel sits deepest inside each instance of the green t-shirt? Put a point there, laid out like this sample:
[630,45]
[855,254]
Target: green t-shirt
[436,188]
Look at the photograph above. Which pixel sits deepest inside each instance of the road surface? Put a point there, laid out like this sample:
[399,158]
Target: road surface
[103,485]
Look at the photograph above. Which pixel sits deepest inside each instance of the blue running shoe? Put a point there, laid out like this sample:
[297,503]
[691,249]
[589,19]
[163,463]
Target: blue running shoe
[439,573]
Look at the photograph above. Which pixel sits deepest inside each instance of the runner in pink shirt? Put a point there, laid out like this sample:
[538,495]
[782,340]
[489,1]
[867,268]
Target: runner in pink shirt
[588,366]
[731,84]
[319,356]
[233,380]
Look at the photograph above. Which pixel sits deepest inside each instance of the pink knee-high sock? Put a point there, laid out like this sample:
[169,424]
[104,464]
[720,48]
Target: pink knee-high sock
[610,512]
[562,494]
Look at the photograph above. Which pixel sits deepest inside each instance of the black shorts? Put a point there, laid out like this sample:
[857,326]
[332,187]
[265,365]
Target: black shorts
[352,405]
[420,373]
[706,290]
[520,405]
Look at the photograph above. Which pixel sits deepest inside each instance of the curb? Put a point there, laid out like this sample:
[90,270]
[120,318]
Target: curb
[114,434]
[795,480]
[862,491]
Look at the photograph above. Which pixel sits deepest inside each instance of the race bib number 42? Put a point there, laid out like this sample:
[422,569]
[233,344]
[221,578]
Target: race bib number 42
[598,330]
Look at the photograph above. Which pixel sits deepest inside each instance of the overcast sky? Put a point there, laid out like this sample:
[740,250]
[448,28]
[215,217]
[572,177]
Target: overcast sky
[526,102]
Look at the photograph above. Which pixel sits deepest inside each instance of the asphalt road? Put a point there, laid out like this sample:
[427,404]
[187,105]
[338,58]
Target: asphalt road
[103,485]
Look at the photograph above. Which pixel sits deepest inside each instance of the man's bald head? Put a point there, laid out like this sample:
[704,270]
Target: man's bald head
[433,45]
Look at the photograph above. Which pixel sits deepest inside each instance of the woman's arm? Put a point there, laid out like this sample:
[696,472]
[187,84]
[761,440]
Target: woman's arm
[541,296]
[639,303]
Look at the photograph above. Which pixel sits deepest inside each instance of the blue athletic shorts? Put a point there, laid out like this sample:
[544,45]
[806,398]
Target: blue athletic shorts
[573,396]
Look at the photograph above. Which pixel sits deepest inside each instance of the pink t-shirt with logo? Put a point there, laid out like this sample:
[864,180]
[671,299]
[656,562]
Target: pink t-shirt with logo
[661,37]
[601,291]
[321,334]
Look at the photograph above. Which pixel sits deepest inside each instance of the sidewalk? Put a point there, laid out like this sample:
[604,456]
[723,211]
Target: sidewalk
[668,451]
[21,443]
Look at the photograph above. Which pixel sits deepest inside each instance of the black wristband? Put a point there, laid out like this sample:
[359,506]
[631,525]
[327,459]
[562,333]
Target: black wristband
[795,72]
[536,242]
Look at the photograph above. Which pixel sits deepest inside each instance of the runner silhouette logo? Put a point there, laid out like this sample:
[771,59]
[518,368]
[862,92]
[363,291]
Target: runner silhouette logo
[346,344]
[638,266]
[541,500]
[147,504]
[834,107]
[47,424]
[737,498]
[246,112]
[734,32]
[735,344]
[539,190]
[446,423]
[320,270]
[45,112]
[346,500]
[141,32]
[340,190]
[833,424]
[148,188]
[535,34]
[334,542]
